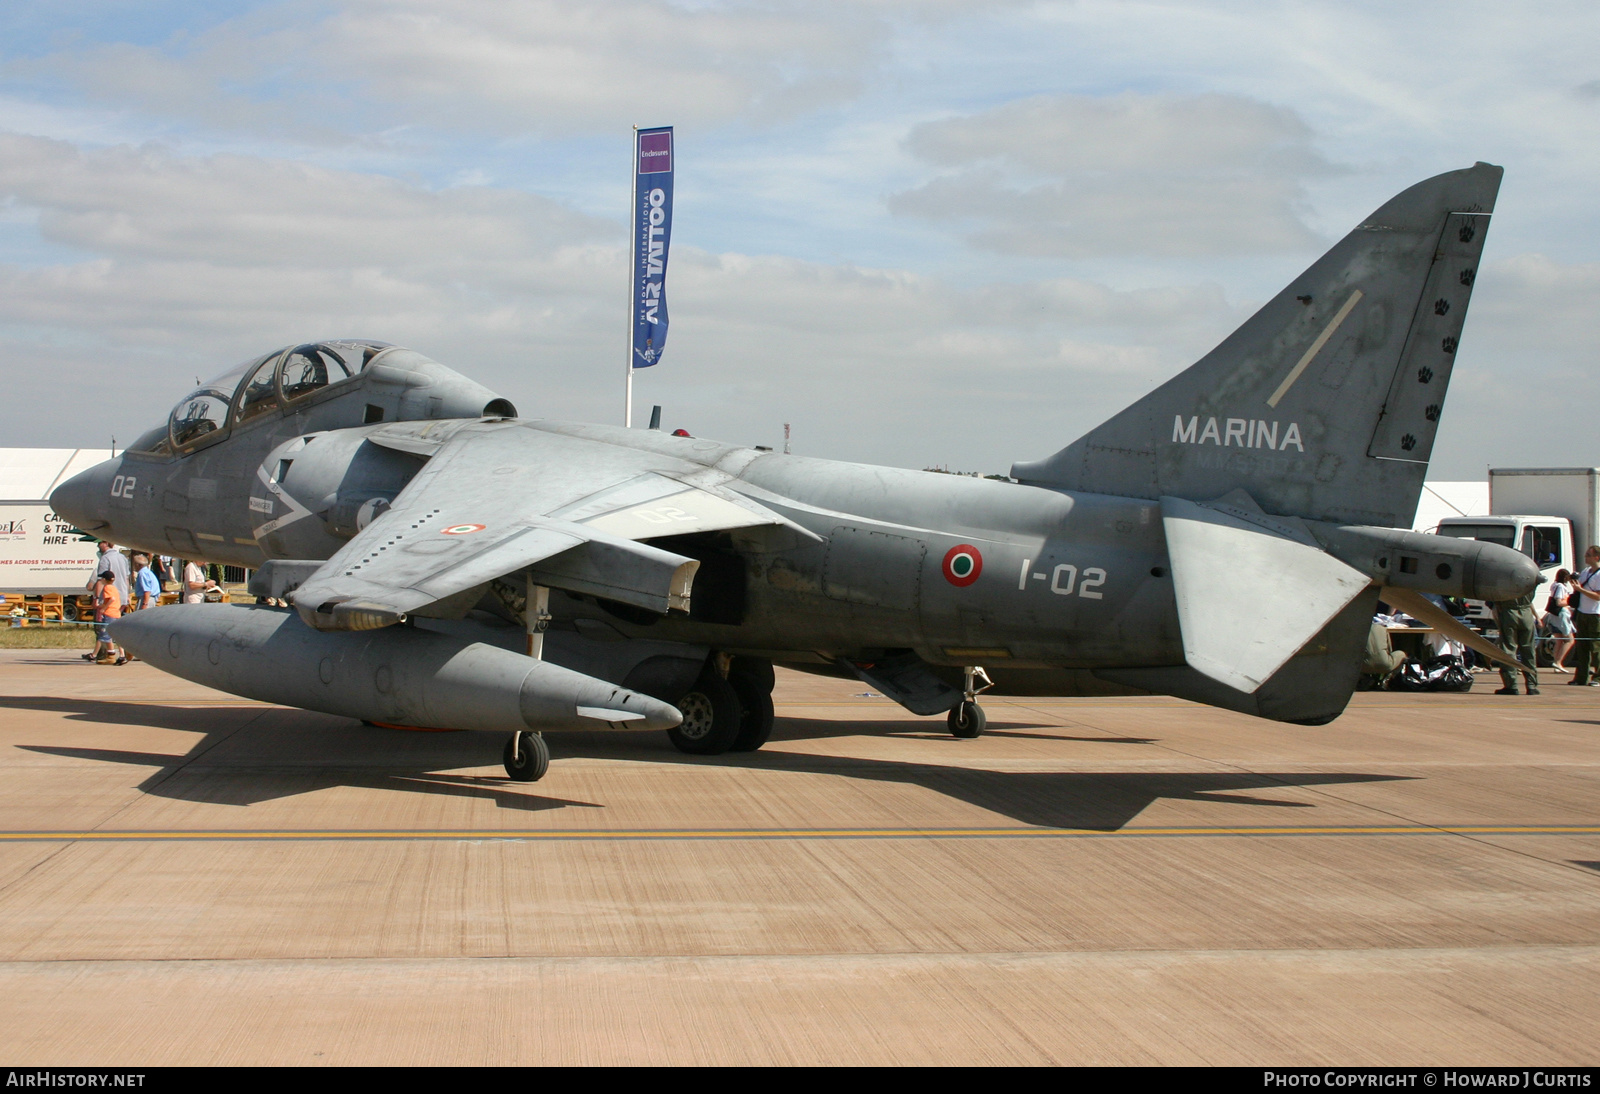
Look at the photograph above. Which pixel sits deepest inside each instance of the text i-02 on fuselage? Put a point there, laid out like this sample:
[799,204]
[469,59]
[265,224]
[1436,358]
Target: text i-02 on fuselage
[1224,539]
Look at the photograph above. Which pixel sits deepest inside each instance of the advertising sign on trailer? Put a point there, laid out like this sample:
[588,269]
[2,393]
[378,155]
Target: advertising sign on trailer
[41,552]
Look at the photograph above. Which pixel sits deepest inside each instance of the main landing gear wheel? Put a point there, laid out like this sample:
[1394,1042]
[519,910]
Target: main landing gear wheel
[966,719]
[526,757]
[752,681]
[755,720]
[712,717]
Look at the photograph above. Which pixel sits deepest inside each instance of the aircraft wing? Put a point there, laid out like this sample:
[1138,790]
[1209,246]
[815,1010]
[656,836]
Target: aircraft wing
[498,498]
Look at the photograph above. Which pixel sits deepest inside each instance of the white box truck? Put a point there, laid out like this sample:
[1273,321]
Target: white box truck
[1550,514]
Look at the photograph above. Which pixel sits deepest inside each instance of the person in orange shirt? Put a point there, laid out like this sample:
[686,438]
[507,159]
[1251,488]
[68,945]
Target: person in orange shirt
[107,606]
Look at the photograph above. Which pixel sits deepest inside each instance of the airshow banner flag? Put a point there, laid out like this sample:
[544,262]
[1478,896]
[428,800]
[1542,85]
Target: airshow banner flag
[652,241]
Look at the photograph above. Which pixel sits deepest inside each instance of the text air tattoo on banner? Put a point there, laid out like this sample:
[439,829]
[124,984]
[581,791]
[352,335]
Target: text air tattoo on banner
[652,243]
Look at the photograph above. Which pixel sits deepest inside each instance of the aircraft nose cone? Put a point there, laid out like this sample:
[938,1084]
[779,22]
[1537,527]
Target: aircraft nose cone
[78,498]
[85,498]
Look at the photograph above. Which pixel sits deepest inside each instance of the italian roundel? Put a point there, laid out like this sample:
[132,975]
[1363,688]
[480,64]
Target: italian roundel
[962,565]
[462,529]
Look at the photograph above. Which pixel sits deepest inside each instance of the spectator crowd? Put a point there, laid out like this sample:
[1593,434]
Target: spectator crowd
[131,582]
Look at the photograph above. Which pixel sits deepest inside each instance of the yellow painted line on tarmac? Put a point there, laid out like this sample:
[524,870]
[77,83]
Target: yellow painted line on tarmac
[626,834]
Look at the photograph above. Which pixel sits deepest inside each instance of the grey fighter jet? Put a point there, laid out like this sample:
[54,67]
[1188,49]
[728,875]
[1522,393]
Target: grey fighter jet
[452,565]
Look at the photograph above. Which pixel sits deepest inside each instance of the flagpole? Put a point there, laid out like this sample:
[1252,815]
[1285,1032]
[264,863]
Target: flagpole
[633,261]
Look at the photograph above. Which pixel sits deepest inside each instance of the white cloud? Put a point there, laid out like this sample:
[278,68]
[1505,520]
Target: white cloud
[1523,380]
[154,204]
[129,269]
[540,66]
[192,263]
[1078,176]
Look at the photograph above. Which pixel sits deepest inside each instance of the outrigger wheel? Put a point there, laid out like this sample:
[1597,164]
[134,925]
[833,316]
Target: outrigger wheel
[527,757]
[966,719]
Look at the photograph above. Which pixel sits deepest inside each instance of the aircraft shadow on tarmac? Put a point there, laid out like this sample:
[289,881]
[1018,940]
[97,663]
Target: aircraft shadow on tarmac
[1091,800]
[270,753]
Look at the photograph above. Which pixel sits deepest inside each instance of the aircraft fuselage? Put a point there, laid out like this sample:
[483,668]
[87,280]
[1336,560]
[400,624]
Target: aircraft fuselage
[963,570]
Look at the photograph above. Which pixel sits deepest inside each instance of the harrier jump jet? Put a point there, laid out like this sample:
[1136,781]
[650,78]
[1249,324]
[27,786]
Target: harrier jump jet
[451,565]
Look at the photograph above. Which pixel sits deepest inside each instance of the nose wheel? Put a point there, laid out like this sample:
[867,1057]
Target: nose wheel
[527,757]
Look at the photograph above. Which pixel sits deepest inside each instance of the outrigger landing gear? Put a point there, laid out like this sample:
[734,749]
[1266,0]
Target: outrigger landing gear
[966,718]
[527,757]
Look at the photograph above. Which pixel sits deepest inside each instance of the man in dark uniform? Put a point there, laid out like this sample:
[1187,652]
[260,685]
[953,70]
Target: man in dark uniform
[1517,626]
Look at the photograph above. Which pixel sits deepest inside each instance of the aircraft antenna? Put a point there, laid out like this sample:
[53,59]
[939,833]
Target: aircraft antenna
[785,438]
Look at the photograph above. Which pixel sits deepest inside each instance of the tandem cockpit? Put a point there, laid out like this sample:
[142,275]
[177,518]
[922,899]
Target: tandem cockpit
[397,384]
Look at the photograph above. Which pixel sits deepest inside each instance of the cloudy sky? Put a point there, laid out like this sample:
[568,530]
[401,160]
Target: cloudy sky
[940,233]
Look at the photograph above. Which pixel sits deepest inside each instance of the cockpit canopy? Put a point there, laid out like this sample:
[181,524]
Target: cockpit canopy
[279,379]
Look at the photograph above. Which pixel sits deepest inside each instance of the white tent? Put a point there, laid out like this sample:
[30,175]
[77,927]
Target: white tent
[29,474]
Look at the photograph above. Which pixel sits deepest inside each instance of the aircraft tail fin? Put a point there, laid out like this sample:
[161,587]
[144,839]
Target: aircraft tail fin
[1325,403]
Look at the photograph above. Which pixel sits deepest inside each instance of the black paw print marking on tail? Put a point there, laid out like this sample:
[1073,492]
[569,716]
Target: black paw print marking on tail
[1466,277]
[1467,232]
[1424,374]
[1441,306]
[1408,442]
[1448,345]
[1432,413]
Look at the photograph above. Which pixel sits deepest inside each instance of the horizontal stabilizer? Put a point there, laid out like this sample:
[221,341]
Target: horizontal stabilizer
[1249,595]
[1420,607]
